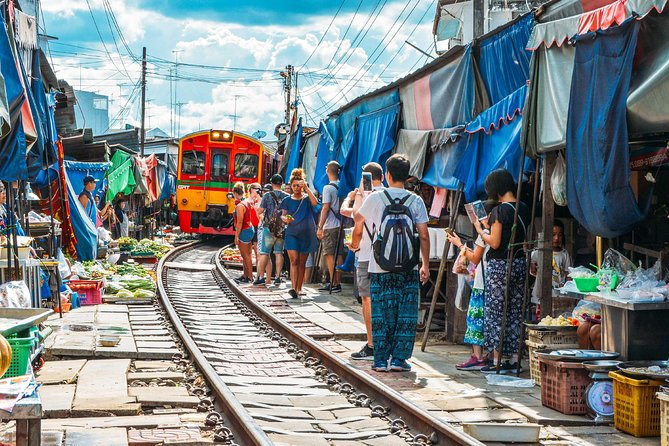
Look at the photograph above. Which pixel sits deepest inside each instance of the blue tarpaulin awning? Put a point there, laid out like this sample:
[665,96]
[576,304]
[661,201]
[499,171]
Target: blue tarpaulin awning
[599,194]
[503,60]
[494,142]
[373,140]
[447,147]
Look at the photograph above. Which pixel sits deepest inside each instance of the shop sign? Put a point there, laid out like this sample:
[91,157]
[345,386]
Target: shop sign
[649,156]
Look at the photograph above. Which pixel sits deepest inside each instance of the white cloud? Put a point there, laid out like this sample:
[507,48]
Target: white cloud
[208,95]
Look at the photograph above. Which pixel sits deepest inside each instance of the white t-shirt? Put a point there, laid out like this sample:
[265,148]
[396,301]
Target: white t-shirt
[366,243]
[372,210]
[331,197]
[479,278]
[561,264]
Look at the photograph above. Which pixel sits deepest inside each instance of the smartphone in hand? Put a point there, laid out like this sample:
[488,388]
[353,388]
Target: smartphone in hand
[367,182]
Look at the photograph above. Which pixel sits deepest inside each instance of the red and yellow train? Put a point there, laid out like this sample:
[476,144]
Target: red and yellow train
[210,163]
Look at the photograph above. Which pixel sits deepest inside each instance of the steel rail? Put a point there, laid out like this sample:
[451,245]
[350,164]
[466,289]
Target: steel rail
[438,432]
[244,428]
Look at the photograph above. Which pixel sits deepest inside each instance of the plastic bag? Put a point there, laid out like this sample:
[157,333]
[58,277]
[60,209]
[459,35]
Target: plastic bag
[580,272]
[588,309]
[463,293]
[559,181]
[642,278]
[463,266]
[616,261]
[508,381]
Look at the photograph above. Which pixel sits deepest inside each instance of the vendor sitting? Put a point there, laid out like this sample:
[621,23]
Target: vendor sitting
[561,262]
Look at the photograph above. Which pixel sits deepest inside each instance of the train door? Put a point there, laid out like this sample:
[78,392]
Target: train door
[191,185]
[218,183]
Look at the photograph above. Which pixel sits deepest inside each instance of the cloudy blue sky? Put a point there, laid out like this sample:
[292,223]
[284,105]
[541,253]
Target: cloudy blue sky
[228,53]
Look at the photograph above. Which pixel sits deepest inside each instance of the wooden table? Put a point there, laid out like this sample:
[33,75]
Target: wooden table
[27,413]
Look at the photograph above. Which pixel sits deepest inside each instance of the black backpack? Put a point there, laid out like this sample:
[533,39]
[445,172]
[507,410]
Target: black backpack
[274,223]
[397,245]
[346,222]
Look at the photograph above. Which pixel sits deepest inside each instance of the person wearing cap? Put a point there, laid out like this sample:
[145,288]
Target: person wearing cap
[329,226]
[86,199]
[268,205]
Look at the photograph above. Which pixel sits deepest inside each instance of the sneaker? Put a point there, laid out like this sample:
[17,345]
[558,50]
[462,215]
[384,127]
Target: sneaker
[326,287]
[259,281]
[505,368]
[293,293]
[243,280]
[400,365]
[473,363]
[336,289]
[366,353]
[380,366]
[277,280]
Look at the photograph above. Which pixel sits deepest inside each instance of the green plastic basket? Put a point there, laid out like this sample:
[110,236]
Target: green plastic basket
[587,284]
[22,350]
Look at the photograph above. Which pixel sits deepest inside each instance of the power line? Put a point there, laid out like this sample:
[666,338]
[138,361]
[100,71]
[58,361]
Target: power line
[88,3]
[323,36]
[371,64]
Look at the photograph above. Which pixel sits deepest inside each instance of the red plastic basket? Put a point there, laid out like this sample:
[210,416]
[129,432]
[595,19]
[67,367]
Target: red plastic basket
[563,386]
[89,291]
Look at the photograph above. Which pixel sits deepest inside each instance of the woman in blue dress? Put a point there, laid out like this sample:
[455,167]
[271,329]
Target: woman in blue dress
[300,238]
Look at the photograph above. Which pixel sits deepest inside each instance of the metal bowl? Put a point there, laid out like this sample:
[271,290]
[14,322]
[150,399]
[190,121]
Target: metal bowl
[575,355]
[601,365]
[626,367]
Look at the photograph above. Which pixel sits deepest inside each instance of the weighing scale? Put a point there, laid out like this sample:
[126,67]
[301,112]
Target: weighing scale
[599,394]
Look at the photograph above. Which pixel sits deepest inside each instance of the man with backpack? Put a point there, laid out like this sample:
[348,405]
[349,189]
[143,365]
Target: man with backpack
[397,221]
[329,226]
[273,230]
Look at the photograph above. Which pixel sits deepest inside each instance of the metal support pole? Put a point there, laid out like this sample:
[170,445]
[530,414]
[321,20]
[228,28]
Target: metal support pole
[510,259]
[528,255]
[545,260]
[442,267]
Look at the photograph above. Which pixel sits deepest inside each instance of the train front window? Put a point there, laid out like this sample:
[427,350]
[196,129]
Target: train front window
[246,166]
[192,163]
[219,166]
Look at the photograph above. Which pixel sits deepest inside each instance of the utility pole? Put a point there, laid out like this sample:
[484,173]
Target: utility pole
[175,101]
[234,116]
[142,136]
[287,87]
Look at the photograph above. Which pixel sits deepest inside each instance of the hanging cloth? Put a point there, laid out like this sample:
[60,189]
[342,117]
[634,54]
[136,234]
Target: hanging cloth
[598,170]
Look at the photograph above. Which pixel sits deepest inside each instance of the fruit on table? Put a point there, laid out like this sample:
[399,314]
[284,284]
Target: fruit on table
[559,321]
[5,355]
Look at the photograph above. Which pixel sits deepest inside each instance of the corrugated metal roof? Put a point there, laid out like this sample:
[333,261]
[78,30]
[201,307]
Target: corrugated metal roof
[66,123]
[76,147]
[128,138]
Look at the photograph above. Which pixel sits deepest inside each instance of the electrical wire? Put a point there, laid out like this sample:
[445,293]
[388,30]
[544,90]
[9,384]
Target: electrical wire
[323,36]
[88,3]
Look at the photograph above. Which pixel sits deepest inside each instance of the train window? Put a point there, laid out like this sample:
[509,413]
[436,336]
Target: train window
[192,163]
[219,166]
[246,166]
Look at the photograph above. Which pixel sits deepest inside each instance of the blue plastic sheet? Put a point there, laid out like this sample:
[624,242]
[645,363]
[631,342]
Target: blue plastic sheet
[494,143]
[295,155]
[77,171]
[444,160]
[599,195]
[13,147]
[503,61]
[169,187]
[325,154]
[375,136]
[37,100]
[84,228]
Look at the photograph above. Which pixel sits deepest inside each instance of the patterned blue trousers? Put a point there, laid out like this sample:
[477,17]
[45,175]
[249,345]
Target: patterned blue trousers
[394,314]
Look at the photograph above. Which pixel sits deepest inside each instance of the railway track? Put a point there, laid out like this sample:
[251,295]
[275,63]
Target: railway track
[270,383]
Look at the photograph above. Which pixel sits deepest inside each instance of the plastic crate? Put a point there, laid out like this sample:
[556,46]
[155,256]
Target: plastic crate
[560,339]
[89,291]
[22,350]
[635,405]
[563,386]
[664,418]
[535,370]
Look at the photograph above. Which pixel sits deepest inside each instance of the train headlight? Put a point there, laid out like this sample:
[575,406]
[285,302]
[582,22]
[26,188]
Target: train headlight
[221,135]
